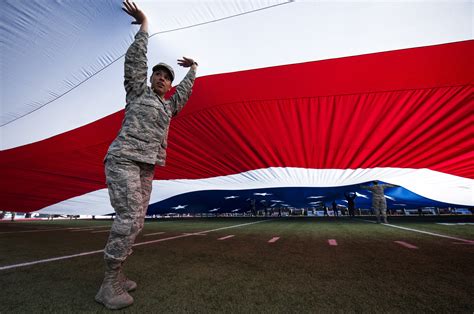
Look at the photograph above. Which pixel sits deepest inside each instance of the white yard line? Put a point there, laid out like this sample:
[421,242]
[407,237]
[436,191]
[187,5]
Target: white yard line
[49,260]
[429,233]
[28,231]
[407,245]
[199,234]
[421,231]
[360,219]
[80,230]
[164,239]
[136,244]
[455,223]
[150,234]
[226,237]
[54,229]
[235,226]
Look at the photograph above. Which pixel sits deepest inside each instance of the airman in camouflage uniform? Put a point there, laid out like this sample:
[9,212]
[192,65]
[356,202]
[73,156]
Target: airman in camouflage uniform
[139,146]
[379,204]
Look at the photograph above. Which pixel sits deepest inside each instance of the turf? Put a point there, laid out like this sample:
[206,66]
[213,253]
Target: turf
[366,272]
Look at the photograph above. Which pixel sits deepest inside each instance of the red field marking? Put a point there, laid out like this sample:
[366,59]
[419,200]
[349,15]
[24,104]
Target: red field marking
[273,240]
[332,242]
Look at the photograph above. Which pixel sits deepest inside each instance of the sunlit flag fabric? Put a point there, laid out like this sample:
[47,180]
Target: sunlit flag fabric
[295,103]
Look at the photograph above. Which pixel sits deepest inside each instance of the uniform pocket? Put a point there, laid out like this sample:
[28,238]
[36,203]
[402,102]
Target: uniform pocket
[139,137]
[121,226]
[138,141]
[118,171]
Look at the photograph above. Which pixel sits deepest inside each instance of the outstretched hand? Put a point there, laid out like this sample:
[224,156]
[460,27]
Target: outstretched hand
[131,9]
[186,62]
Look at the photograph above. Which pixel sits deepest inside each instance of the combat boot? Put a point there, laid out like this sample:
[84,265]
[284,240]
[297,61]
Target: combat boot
[111,293]
[127,284]
[385,220]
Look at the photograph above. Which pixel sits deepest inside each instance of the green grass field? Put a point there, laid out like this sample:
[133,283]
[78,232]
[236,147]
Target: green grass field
[366,272]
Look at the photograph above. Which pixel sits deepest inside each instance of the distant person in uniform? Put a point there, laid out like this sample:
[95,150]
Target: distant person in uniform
[379,204]
[334,208]
[253,207]
[350,197]
[326,214]
[139,146]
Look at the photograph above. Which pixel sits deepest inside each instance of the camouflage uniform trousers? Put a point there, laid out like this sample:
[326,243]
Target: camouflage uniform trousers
[380,207]
[129,183]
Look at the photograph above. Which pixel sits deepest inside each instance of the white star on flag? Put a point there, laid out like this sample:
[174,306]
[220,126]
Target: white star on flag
[230,197]
[236,210]
[214,209]
[179,207]
[276,201]
[262,194]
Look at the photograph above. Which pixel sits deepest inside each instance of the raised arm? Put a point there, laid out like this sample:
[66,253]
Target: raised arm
[184,88]
[140,18]
[135,73]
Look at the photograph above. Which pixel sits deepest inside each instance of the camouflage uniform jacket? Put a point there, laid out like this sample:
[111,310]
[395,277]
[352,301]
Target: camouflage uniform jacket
[144,132]
[378,197]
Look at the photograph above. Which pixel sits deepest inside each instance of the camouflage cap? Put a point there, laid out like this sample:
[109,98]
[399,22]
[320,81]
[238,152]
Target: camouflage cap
[166,67]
